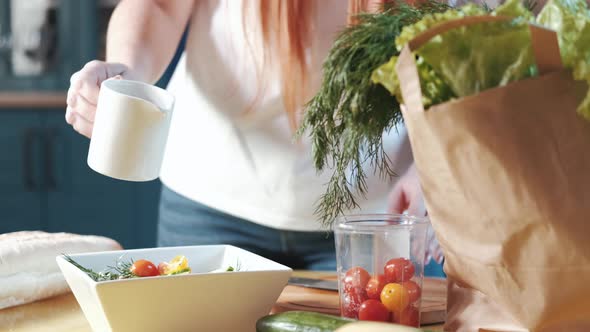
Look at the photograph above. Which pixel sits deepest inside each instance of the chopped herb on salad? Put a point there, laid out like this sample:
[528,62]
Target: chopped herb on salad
[143,268]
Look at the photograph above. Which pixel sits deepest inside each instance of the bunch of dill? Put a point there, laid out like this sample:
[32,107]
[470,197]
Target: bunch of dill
[348,116]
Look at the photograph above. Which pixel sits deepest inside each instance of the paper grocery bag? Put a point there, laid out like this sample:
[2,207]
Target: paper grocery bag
[506,178]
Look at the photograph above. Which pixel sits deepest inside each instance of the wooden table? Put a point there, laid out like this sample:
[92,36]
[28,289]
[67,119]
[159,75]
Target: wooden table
[62,314]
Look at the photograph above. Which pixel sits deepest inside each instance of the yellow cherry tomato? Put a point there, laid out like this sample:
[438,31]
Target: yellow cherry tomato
[395,297]
[177,265]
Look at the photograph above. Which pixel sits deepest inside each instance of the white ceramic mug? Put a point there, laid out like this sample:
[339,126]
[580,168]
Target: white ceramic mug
[130,130]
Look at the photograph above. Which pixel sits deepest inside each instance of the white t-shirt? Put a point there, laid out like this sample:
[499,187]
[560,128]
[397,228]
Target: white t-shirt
[247,164]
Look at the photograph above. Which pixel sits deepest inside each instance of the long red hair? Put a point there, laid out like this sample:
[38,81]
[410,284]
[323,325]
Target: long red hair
[287,27]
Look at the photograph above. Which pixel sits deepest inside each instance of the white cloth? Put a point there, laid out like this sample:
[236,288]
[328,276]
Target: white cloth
[247,164]
[28,271]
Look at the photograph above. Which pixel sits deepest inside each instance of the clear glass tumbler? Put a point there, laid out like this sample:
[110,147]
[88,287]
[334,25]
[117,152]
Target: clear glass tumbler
[380,260]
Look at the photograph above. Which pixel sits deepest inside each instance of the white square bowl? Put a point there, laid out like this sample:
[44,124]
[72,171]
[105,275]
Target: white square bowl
[200,301]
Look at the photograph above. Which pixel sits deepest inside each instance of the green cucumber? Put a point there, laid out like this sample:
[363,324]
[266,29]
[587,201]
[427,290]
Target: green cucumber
[300,321]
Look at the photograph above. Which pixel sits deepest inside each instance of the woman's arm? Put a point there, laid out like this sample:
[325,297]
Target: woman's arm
[144,34]
[141,41]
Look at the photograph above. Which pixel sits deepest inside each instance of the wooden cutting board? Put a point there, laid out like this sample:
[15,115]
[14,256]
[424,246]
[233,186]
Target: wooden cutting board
[434,300]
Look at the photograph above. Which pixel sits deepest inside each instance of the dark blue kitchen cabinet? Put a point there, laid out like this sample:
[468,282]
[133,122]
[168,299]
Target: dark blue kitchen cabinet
[45,183]
[80,200]
[20,181]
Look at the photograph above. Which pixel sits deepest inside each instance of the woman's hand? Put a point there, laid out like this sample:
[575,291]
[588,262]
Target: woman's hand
[407,196]
[83,93]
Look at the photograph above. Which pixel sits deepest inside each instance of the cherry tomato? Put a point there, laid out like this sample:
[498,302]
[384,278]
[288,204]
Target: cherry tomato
[373,310]
[356,278]
[177,265]
[399,270]
[144,268]
[395,297]
[351,302]
[414,290]
[162,268]
[408,317]
[375,286]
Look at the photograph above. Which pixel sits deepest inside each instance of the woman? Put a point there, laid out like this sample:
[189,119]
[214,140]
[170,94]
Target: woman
[232,173]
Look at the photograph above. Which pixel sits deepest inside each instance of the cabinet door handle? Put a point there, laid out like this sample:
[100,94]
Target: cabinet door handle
[27,153]
[49,142]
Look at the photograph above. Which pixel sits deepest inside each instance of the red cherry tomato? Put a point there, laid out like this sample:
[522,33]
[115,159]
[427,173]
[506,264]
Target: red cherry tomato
[373,310]
[395,297]
[375,286]
[351,302]
[413,290]
[356,278]
[399,270]
[408,317]
[144,268]
[347,309]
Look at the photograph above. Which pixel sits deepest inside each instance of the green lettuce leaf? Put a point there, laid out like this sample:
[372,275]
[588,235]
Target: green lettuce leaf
[468,59]
[571,20]
[434,89]
[386,76]
[514,8]
[409,32]
[465,61]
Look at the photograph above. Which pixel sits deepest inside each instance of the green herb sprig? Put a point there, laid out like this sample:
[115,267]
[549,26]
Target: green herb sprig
[238,267]
[347,118]
[121,270]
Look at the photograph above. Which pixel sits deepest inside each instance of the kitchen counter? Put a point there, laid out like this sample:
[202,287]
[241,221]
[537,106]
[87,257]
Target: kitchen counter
[34,99]
[63,314]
